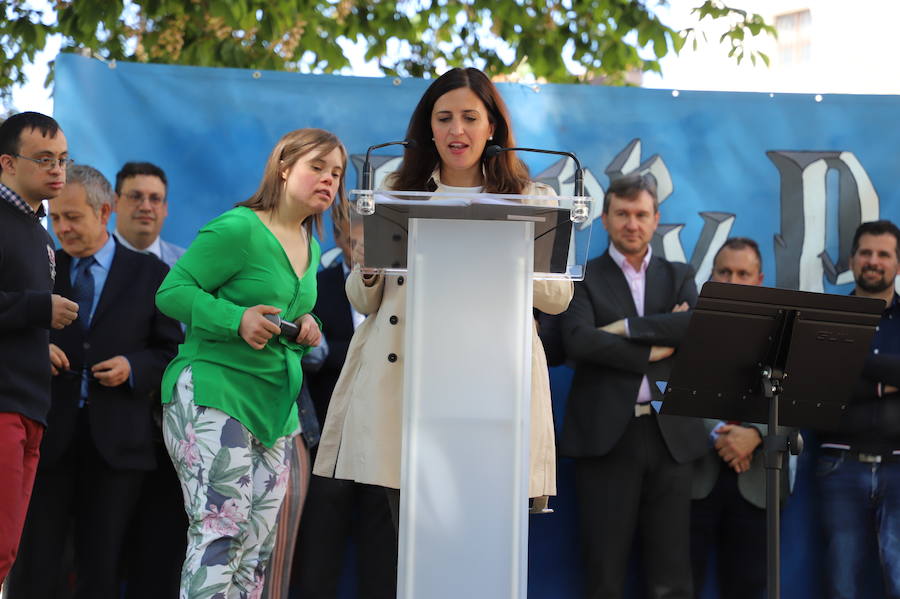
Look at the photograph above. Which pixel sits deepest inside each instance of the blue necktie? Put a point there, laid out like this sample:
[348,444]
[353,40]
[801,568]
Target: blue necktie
[83,290]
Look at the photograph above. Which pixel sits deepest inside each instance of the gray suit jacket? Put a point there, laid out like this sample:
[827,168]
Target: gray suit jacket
[169,252]
[751,484]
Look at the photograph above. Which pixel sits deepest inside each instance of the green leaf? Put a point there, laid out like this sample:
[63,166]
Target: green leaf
[224,489]
[605,33]
[660,48]
[220,464]
[195,582]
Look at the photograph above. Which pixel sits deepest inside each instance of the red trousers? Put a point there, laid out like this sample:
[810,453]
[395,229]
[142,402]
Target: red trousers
[20,444]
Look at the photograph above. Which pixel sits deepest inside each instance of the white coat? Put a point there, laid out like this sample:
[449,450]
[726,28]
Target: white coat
[362,433]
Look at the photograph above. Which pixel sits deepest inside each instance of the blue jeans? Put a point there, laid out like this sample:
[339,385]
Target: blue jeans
[860,503]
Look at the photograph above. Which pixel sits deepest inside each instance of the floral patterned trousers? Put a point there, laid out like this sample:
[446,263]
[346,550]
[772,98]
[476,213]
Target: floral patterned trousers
[233,488]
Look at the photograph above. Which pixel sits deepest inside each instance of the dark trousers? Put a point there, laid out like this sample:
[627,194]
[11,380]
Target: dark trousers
[735,529]
[336,509]
[637,488]
[158,536]
[101,501]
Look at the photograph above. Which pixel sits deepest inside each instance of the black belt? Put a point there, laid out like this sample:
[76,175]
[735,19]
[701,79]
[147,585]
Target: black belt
[861,456]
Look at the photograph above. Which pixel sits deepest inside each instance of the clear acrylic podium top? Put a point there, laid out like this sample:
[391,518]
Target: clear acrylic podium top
[379,226]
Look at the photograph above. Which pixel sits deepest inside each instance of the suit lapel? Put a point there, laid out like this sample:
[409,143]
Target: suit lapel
[116,281]
[614,281]
[657,289]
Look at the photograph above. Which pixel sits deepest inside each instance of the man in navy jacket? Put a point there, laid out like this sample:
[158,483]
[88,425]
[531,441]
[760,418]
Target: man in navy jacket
[107,369]
[33,157]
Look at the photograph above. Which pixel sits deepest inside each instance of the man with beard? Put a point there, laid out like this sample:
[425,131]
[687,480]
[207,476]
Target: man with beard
[859,466]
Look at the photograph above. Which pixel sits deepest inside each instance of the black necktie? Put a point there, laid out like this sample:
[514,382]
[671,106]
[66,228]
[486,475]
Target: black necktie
[83,290]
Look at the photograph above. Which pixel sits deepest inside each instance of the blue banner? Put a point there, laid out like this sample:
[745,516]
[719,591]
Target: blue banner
[797,173]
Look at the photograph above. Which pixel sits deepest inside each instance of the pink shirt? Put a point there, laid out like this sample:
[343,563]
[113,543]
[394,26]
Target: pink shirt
[636,280]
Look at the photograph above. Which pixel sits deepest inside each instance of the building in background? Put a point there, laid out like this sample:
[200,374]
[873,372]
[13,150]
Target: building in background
[823,47]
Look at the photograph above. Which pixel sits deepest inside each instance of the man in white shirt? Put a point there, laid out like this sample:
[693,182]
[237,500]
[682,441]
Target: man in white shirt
[141,209]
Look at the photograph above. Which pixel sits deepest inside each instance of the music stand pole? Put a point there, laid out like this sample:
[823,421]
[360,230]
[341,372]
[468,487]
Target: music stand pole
[775,446]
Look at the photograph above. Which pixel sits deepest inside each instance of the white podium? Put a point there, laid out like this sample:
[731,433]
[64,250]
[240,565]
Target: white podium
[470,262]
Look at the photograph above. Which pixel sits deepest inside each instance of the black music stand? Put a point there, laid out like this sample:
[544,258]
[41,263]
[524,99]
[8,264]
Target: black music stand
[743,342]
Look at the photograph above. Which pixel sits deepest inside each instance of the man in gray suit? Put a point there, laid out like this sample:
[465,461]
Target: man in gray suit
[729,485]
[141,207]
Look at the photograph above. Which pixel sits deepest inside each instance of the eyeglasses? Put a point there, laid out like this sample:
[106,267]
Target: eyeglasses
[137,198]
[48,164]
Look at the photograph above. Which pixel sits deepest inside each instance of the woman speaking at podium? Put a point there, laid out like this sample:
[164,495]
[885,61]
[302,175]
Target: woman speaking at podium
[451,126]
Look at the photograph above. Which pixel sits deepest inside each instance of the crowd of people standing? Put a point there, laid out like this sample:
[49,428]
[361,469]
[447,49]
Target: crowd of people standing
[164,432]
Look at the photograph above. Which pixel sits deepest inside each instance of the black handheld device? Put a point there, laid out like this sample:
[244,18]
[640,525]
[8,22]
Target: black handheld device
[288,328]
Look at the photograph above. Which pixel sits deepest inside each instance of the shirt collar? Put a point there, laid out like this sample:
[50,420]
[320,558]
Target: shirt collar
[622,262]
[16,200]
[894,306]
[103,256]
[436,178]
[154,248]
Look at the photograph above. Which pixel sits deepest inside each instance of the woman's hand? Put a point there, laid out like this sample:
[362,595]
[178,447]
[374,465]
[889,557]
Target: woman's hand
[310,333]
[255,329]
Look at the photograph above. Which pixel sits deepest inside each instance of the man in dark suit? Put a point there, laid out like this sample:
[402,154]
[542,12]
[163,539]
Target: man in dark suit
[107,368]
[632,466]
[334,508]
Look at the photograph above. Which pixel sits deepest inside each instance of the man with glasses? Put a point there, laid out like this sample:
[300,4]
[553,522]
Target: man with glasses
[160,529]
[107,369]
[141,210]
[33,160]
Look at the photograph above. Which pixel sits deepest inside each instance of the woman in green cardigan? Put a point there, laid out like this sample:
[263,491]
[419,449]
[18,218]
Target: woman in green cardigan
[230,392]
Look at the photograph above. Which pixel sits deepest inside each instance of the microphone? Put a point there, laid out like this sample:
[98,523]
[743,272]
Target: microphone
[494,150]
[367,166]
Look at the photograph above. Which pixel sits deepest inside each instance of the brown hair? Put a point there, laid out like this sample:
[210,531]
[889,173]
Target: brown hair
[290,148]
[628,187]
[876,227]
[505,173]
[340,219]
